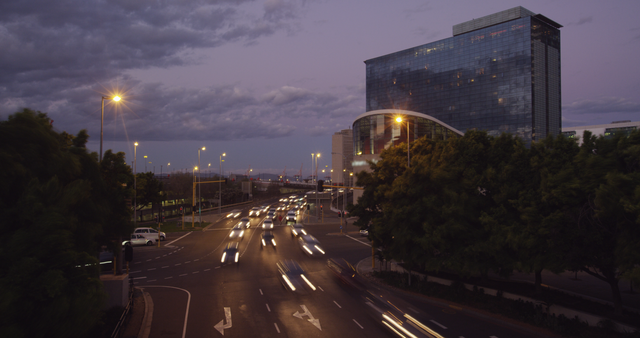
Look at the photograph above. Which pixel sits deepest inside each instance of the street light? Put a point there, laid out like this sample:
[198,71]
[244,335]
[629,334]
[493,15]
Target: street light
[115,98]
[135,184]
[199,188]
[220,185]
[399,120]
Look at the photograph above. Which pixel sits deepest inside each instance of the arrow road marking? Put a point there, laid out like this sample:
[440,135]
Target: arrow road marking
[312,320]
[221,326]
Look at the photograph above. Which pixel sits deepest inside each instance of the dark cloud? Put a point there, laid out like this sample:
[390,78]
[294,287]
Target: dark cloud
[60,57]
[583,21]
[601,106]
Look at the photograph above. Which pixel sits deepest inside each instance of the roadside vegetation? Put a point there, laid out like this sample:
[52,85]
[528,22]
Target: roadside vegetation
[477,204]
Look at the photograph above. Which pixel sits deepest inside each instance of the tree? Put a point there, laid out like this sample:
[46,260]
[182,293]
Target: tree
[51,201]
[149,190]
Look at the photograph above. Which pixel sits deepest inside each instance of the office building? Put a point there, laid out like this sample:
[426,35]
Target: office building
[499,73]
[607,130]
[341,157]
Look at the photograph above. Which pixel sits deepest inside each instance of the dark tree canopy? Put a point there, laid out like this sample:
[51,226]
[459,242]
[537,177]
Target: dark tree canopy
[55,204]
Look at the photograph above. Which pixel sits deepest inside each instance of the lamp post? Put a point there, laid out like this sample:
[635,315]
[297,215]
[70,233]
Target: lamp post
[220,185]
[399,120]
[135,184]
[199,188]
[115,98]
[315,156]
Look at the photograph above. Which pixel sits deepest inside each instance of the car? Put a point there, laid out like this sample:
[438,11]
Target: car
[150,233]
[347,273]
[255,211]
[273,209]
[297,230]
[268,239]
[231,253]
[291,216]
[235,213]
[292,276]
[245,221]
[267,224]
[364,232]
[237,231]
[265,207]
[310,245]
[137,239]
[271,215]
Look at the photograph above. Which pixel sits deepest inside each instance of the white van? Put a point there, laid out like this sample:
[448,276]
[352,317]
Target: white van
[150,233]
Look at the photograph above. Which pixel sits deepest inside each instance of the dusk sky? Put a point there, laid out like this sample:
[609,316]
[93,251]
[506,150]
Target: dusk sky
[267,82]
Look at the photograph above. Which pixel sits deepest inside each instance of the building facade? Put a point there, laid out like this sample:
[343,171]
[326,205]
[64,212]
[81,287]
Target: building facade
[341,157]
[499,73]
[607,130]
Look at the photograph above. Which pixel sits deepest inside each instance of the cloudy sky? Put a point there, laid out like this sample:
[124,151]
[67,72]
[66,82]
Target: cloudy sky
[266,81]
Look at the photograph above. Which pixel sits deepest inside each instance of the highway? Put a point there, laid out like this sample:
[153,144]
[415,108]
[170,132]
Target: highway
[195,296]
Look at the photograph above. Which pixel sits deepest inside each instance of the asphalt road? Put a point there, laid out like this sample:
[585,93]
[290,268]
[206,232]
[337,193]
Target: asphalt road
[195,296]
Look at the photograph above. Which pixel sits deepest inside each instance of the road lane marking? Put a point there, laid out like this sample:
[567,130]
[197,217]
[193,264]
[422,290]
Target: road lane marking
[207,269]
[217,267]
[442,326]
[320,288]
[312,320]
[157,257]
[178,264]
[165,255]
[197,259]
[149,260]
[187,262]
[338,305]
[185,235]
[151,280]
[195,272]
[262,294]
[166,266]
[277,329]
[268,309]
[151,269]
[184,274]
[367,244]
[412,309]
[227,316]
[138,262]
[140,278]
[135,271]
[168,277]
[355,321]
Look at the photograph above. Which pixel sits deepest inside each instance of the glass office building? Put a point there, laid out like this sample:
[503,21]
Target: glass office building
[499,73]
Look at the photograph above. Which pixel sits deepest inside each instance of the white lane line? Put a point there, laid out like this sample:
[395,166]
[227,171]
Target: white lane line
[157,257]
[277,329]
[151,280]
[149,260]
[207,269]
[412,309]
[168,277]
[442,326]
[320,288]
[195,272]
[187,262]
[217,267]
[197,259]
[135,271]
[261,294]
[151,269]
[166,266]
[187,234]
[367,244]
[138,262]
[268,309]
[355,321]
[177,264]
[184,274]
[140,278]
[165,255]
[338,305]
[493,336]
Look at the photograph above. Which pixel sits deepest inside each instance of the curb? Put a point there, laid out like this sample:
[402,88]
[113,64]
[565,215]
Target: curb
[145,328]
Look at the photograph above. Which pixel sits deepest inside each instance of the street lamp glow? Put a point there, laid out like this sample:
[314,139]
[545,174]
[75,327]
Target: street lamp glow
[116,98]
[195,168]
[399,119]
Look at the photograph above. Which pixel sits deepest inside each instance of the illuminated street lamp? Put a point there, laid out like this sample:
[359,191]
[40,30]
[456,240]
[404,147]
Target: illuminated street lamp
[135,184]
[115,98]
[220,185]
[399,120]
